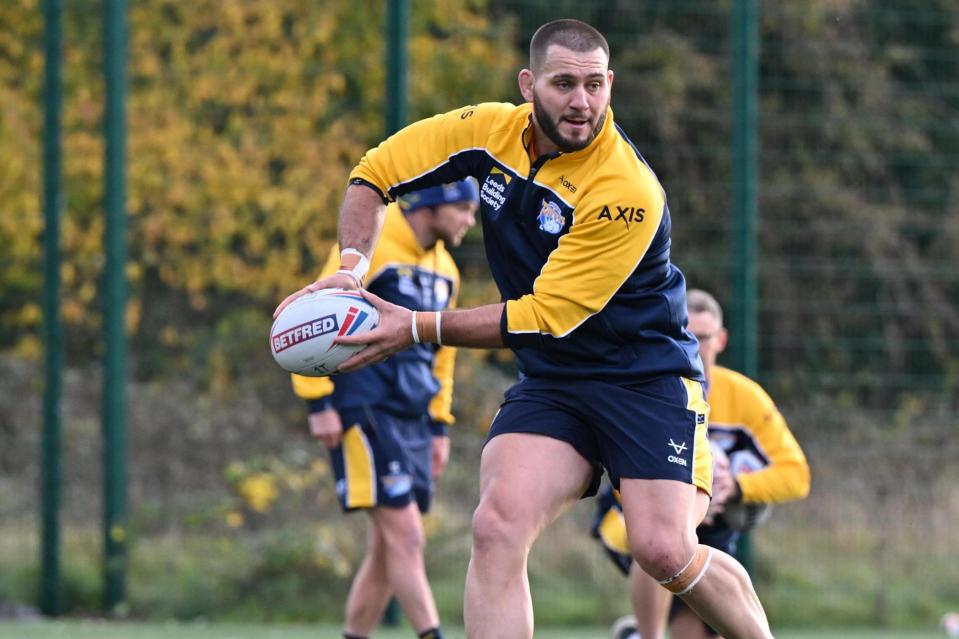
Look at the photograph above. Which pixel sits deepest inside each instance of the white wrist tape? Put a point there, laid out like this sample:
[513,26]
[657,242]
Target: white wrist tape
[416,337]
[354,263]
[439,335]
[359,282]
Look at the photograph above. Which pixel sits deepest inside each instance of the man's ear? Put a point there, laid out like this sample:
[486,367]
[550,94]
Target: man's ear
[526,81]
[722,338]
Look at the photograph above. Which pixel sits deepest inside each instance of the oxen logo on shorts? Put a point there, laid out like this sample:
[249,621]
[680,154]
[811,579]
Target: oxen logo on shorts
[550,217]
[679,448]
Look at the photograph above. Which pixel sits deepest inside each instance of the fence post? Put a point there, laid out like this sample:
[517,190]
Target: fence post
[397,61]
[744,325]
[50,584]
[114,300]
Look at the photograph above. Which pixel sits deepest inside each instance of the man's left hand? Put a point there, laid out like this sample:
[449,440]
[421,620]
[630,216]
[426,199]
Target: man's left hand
[392,334]
[441,455]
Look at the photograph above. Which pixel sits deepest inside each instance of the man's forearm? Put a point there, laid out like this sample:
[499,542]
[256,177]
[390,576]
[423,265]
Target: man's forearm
[475,327]
[361,219]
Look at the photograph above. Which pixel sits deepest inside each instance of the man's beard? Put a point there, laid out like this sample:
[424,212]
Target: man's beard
[551,129]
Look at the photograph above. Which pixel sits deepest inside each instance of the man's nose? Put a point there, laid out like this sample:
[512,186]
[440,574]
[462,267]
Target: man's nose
[578,99]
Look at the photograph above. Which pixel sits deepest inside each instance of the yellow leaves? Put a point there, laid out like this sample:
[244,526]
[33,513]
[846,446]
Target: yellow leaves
[327,552]
[29,314]
[245,118]
[259,491]
[170,336]
[235,519]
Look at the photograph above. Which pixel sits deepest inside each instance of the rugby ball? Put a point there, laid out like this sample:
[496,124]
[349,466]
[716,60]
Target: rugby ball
[740,515]
[302,335]
[744,517]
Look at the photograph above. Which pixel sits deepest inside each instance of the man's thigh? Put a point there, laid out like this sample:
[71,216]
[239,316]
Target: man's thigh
[532,411]
[530,479]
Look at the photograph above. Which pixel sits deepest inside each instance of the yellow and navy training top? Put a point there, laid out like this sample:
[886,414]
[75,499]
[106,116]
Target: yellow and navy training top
[578,243]
[420,378]
[746,424]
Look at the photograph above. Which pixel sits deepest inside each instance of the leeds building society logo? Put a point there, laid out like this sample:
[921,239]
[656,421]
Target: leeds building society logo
[493,192]
[550,217]
[625,213]
[679,448]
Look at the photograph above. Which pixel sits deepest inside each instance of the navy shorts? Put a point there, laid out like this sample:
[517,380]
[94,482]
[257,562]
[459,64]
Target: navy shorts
[383,460]
[649,430]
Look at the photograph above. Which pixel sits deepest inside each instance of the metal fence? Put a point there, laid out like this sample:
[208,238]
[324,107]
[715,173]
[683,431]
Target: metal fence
[857,122]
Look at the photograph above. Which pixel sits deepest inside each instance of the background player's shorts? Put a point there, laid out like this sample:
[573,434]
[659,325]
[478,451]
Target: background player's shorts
[649,430]
[383,460]
[609,528]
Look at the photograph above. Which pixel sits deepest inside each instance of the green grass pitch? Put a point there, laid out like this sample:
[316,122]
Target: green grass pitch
[126,630]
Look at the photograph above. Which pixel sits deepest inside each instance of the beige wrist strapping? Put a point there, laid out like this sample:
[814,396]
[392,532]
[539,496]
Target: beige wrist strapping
[426,327]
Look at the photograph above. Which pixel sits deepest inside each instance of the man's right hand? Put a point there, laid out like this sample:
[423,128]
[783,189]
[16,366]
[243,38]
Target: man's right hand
[337,280]
[723,486]
[326,426]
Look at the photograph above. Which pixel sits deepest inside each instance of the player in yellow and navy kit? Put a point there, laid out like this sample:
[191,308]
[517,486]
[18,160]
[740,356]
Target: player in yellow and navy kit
[386,425]
[762,464]
[577,236]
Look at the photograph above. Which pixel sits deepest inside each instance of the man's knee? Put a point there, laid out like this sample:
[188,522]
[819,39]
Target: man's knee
[493,531]
[692,572]
[662,556]
[404,538]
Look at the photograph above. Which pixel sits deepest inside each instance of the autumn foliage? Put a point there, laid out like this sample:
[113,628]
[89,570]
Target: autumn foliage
[244,119]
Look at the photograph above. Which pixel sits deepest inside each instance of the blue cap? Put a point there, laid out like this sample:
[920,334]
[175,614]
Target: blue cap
[462,191]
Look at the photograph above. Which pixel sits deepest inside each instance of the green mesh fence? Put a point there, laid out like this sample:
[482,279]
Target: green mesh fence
[231,504]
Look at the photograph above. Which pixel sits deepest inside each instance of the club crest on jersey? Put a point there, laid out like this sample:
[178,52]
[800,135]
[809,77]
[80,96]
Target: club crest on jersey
[550,217]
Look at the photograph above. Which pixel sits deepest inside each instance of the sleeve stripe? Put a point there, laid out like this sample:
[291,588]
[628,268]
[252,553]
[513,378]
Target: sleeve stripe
[436,167]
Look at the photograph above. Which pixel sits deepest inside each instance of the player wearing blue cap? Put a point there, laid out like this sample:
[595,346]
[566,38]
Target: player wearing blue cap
[386,425]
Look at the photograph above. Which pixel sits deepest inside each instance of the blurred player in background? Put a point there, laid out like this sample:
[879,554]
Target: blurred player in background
[757,462]
[577,235]
[386,425]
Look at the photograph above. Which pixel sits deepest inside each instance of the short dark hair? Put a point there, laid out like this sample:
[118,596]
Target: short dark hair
[571,34]
[699,301]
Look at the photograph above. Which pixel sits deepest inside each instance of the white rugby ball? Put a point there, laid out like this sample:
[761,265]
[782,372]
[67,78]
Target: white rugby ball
[740,515]
[301,339]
